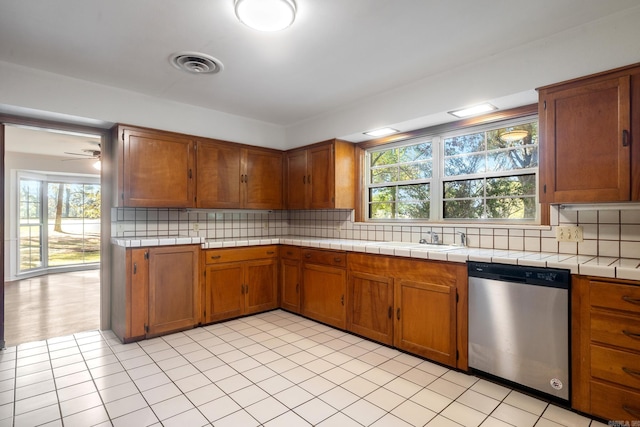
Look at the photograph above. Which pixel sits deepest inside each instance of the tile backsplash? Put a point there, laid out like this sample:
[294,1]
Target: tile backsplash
[608,233]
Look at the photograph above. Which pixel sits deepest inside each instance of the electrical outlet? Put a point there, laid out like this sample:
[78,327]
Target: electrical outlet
[569,233]
[196,226]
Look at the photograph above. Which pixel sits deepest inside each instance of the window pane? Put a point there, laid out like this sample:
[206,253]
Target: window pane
[464,189]
[520,185]
[512,208]
[382,194]
[381,210]
[386,157]
[415,171]
[413,153]
[465,165]
[380,175]
[519,158]
[417,192]
[413,210]
[462,144]
[463,209]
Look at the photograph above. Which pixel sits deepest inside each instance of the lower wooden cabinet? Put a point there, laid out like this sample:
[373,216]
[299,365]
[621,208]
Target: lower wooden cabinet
[324,282]
[157,291]
[606,347]
[290,278]
[417,306]
[239,281]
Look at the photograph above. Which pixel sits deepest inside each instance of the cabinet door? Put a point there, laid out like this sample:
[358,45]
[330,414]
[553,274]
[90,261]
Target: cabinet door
[157,170]
[139,293]
[218,175]
[371,306]
[425,320]
[262,179]
[587,153]
[296,172]
[321,177]
[290,285]
[260,285]
[173,288]
[323,294]
[223,291]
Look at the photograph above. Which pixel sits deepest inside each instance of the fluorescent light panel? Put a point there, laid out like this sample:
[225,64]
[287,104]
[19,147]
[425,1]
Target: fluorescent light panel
[381,132]
[473,111]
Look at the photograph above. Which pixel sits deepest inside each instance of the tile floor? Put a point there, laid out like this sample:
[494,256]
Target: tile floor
[272,369]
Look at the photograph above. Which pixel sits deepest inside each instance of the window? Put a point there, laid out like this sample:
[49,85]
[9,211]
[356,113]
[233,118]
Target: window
[487,172]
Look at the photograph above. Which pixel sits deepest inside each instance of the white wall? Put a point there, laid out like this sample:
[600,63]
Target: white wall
[31,162]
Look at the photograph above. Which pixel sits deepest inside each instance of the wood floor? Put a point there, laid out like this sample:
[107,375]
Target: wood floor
[51,306]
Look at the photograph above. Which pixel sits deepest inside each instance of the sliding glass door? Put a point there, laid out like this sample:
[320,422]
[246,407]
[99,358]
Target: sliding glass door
[59,222]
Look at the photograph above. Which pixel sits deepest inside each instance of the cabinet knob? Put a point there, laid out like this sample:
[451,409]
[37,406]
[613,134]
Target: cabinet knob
[337,259]
[625,138]
[398,314]
[135,267]
[342,300]
[307,255]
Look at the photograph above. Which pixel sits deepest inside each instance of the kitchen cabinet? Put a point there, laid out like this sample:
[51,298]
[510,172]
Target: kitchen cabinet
[155,291]
[239,281]
[234,176]
[606,347]
[321,176]
[414,305]
[324,281]
[154,168]
[290,278]
[587,127]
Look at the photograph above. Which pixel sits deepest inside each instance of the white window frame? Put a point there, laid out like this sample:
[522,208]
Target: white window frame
[438,179]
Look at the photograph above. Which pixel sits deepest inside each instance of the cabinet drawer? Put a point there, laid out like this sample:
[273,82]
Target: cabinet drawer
[334,258]
[290,252]
[617,366]
[615,296]
[617,330]
[216,256]
[614,403]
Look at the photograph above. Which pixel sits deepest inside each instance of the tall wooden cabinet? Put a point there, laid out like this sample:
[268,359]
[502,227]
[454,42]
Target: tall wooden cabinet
[290,278]
[155,291]
[154,168]
[606,347]
[587,128]
[239,281]
[321,176]
[234,176]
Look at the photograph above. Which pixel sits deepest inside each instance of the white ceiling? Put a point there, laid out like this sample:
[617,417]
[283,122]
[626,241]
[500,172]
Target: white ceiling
[338,53]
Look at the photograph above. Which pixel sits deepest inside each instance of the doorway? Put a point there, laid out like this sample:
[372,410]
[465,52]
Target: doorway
[53,228]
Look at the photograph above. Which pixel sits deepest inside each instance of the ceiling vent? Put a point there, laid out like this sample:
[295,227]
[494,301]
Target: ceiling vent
[196,63]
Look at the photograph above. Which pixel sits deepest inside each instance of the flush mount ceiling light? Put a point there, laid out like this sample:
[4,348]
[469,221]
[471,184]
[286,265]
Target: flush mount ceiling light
[473,111]
[514,135]
[266,15]
[381,132]
[196,63]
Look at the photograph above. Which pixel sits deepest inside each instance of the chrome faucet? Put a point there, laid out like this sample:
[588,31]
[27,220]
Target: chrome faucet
[435,239]
[463,238]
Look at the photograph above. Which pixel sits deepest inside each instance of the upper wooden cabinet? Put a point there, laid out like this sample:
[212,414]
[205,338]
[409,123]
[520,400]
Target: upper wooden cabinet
[233,176]
[321,176]
[586,131]
[154,169]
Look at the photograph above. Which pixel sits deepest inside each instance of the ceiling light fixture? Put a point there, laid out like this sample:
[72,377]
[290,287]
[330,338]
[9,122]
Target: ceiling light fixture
[473,111]
[514,135]
[266,15]
[381,132]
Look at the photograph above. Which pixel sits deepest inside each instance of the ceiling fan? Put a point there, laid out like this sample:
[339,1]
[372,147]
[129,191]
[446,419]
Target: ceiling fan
[88,154]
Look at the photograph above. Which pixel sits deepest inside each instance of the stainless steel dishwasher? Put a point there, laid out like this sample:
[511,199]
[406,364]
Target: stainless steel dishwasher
[519,325]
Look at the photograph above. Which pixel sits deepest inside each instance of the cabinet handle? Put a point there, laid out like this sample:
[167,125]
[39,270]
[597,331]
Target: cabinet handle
[398,314]
[246,179]
[307,255]
[625,138]
[632,372]
[630,300]
[190,174]
[631,334]
[242,289]
[304,179]
[297,288]
[270,252]
[633,411]
[337,259]
[216,256]
[390,312]
[241,178]
[342,300]
[135,267]
[289,253]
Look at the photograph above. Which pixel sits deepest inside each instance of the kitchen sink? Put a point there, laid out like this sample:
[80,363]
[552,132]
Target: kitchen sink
[411,245]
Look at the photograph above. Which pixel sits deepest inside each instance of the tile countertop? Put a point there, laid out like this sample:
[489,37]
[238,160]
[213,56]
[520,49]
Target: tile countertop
[621,268]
